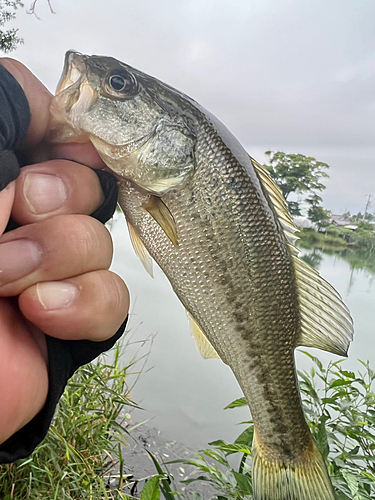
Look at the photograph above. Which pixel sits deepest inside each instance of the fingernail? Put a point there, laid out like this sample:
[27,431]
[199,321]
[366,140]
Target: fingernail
[17,259]
[44,193]
[56,294]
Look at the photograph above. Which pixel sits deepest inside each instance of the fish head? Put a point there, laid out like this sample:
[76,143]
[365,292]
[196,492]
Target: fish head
[139,126]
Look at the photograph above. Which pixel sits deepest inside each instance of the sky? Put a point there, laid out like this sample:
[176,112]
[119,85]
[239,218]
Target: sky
[280,74]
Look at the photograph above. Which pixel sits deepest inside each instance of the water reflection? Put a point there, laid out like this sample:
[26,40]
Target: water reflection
[359,261]
[356,258]
[313,258]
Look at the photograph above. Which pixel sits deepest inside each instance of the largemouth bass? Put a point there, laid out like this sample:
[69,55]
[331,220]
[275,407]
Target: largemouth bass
[217,225]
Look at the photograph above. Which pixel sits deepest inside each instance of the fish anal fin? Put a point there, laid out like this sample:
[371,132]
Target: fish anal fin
[203,345]
[161,214]
[311,339]
[140,249]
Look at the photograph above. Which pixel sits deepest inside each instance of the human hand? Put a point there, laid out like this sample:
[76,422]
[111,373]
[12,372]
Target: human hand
[54,276]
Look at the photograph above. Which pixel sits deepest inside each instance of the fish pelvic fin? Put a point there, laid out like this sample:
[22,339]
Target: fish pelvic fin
[203,345]
[140,249]
[303,479]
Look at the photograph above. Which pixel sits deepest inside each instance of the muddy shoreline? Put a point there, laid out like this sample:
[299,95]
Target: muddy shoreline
[138,465]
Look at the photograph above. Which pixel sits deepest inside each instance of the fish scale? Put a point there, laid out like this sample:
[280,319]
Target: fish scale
[218,227]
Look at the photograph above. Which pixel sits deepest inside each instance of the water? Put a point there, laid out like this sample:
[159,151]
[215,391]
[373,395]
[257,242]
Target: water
[184,395]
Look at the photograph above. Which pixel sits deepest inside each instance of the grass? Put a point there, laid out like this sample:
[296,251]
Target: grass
[327,242]
[83,446]
[338,239]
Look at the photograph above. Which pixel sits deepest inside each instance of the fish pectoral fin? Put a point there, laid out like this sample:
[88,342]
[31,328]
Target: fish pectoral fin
[161,214]
[203,345]
[140,249]
[325,320]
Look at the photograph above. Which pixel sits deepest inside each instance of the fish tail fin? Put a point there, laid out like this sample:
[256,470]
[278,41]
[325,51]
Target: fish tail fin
[303,479]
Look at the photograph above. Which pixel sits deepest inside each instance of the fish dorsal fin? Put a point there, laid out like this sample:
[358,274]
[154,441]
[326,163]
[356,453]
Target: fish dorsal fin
[160,212]
[203,345]
[277,200]
[140,249]
[325,320]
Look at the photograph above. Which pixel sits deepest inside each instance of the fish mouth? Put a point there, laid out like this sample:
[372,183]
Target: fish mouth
[73,71]
[74,96]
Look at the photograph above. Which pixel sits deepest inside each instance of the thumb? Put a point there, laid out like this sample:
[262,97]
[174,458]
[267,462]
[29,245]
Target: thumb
[6,203]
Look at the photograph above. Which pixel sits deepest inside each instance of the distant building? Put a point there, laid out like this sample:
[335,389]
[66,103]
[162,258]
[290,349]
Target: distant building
[340,220]
[344,222]
[303,222]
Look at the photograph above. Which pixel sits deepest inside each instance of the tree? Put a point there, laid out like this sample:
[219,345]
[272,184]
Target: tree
[293,207]
[9,39]
[296,173]
[358,217]
[316,213]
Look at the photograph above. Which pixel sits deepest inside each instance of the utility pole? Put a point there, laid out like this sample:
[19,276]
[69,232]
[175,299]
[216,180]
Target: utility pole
[367,205]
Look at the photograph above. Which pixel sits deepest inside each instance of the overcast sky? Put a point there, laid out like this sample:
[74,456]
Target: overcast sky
[290,75]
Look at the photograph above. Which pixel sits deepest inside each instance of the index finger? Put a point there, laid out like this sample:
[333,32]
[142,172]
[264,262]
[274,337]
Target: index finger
[38,97]
[83,152]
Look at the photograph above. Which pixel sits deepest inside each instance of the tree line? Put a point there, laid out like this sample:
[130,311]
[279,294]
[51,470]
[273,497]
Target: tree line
[297,173]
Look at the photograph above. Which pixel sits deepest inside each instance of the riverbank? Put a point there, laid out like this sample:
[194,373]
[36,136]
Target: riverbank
[355,247]
[339,238]
[138,465]
[309,237]
[94,448]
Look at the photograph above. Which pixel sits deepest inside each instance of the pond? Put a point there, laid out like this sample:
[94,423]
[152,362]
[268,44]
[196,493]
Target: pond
[182,394]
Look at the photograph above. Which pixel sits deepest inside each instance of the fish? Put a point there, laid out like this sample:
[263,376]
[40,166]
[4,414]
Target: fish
[217,225]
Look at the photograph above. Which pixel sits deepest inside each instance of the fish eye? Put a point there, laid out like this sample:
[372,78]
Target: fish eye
[121,85]
[117,82]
